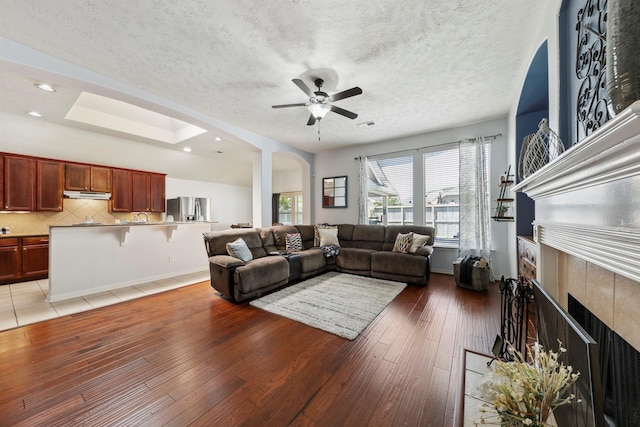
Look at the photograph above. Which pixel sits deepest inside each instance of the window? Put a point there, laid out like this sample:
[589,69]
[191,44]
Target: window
[390,191]
[290,208]
[442,195]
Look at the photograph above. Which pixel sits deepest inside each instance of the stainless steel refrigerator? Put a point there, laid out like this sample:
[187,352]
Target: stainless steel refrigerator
[189,209]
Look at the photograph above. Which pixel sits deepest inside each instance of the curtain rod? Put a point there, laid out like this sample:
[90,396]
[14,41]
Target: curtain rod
[495,136]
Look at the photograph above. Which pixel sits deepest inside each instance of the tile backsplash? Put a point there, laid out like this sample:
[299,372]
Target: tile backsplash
[75,211]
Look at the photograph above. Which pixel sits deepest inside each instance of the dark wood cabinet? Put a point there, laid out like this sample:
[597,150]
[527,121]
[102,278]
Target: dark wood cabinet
[9,259]
[140,183]
[19,183]
[156,193]
[87,178]
[24,258]
[49,185]
[35,257]
[77,177]
[148,192]
[121,191]
[100,179]
[32,183]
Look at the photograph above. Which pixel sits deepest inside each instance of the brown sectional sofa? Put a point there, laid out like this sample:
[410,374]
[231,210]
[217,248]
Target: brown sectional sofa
[364,250]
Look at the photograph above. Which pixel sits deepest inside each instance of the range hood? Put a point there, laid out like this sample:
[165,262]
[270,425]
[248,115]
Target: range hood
[86,195]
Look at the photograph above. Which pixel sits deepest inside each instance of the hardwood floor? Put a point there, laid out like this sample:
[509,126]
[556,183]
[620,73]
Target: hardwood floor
[189,357]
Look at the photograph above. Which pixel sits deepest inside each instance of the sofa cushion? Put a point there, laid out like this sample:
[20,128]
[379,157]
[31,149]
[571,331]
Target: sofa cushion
[216,241]
[239,249]
[280,235]
[312,260]
[316,232]
[391,231]
[398,263]
[306,232]
[418,241]
[368,237]
[329,237]
[354,259]
[293,242]
[261,273]
[403,243]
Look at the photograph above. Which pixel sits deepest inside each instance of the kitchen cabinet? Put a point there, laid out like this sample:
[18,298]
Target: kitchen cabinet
[156,193]
[121,190]
[49,185]
[148,192]
[35,257]
[9,259]
[19,183]
[87,178]
[140,185]
[100,179]
[24,258]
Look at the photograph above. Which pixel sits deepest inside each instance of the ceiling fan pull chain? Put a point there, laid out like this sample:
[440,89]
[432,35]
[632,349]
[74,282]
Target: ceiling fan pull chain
[319,130]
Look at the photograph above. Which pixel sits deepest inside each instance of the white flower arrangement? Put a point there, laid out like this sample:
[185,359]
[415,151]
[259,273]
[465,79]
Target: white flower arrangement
[522,393]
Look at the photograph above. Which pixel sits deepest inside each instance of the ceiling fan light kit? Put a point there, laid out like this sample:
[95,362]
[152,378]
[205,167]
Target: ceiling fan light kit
[320,103]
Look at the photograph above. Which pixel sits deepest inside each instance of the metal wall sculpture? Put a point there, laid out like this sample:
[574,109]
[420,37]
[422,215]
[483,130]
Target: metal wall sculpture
[592,109]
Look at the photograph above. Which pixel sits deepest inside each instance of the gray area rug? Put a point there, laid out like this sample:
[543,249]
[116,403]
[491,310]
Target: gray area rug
[342,304]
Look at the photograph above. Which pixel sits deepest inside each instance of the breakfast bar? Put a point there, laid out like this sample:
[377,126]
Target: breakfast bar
[91,258]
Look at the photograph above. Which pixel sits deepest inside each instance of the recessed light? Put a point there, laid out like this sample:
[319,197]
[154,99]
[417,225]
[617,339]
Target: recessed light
[217,138]
[45,86]
[187,149]
[34,114]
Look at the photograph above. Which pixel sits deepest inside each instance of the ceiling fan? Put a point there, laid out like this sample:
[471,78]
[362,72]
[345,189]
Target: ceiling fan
[320,102]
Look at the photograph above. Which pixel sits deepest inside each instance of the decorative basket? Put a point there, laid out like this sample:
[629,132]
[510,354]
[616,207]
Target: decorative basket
[543,147]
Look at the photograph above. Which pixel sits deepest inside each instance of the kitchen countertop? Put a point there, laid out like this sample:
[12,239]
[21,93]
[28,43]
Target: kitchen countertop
[129,224]
[5,236]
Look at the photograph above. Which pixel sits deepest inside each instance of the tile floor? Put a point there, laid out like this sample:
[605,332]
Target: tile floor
[25,303]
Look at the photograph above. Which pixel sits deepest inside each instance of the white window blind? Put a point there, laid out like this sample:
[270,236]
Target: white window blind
[390,190]
[442,195]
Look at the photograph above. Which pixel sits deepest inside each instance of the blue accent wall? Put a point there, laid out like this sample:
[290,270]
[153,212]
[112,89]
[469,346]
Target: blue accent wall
[532,107]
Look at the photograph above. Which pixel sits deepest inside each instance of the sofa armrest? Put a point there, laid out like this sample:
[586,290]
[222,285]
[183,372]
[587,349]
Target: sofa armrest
[226,261]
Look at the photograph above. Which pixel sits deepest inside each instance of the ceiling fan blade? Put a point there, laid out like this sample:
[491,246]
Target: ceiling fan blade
[312,120]
[343,112]
[346,93]
[304,87]
[289,105]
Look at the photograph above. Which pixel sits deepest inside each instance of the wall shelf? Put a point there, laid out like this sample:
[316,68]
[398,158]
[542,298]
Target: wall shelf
[503,202]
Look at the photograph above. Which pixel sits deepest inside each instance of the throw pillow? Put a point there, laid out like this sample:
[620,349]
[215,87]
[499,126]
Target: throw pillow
[316,232]
[418,241]
[293,242]
[403,243]
[239,249]
[329,237]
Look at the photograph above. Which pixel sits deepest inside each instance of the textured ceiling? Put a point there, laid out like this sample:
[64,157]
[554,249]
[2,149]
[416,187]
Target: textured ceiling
[423,65]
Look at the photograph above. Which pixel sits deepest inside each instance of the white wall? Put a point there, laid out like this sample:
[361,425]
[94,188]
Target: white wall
[231,204]
[342,162]
[287,181]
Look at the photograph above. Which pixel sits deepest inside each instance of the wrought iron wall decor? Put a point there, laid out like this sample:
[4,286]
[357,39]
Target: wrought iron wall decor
[592,107]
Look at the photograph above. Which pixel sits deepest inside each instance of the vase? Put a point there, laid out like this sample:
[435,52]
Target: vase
[623,53]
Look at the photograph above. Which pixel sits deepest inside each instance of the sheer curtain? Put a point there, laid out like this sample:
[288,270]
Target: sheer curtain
[363,189]
[475,212]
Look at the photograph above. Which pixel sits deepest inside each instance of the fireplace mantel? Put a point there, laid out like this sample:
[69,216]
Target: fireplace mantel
[610,153]
[586,198]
